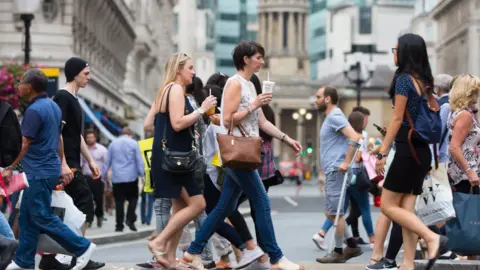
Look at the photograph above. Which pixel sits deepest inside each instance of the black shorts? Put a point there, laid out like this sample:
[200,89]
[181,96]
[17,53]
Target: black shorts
[81,195]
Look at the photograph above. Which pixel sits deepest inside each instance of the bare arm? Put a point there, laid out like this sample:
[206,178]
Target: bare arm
[267,127]
[353,136]
[148,124]
[461,126]
[84,149]
[395,124]
[179,120]
[61,152]
[233,94]
[25,145]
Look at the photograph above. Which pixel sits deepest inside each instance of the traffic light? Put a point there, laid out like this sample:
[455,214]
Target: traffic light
[309,148]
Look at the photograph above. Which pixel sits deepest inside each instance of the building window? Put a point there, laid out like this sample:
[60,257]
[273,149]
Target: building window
[319,32]
[330,53]
[50,10]
[228,17]
[316,6]
[365,16]
[251,35]
[285,29]
[225,62]
[210,26]
[429,32]
[228,40]
[317,56]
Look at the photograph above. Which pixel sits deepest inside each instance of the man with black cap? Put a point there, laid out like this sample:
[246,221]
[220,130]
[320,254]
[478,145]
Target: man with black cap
[77,73]
[40,157]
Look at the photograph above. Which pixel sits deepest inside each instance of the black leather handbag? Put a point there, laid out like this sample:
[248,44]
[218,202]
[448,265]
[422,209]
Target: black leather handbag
[176,161]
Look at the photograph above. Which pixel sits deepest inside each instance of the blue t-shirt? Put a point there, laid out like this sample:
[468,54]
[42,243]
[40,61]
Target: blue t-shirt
[42,123]
[404,86]
[333,144]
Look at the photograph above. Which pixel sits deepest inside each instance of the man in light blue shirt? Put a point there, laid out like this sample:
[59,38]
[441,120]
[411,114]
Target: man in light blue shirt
[442,85]
[126,162]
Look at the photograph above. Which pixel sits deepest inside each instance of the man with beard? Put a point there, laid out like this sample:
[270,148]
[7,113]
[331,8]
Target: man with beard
[338,142]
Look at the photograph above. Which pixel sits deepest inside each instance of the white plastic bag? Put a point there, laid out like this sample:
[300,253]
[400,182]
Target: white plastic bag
[435,204]
[63,207]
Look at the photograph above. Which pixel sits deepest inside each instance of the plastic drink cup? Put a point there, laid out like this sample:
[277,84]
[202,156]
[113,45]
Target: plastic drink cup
[211,111]
[267,87]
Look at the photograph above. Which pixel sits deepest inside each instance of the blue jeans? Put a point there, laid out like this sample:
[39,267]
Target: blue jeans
[236,182]
[37,216]
[5,229]
[361,197]
[146,207]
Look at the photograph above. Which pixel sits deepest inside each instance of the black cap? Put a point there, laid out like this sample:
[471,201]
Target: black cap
[73,66]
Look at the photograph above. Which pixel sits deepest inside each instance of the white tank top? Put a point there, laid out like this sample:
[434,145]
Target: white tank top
[249,123]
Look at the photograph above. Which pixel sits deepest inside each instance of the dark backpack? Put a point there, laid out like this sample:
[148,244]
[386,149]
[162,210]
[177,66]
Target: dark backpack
[10,135]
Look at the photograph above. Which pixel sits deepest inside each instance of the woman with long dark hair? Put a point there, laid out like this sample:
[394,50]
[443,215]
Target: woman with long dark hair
[413,81]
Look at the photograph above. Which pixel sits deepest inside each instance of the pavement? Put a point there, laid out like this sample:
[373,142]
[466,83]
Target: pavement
[107,235]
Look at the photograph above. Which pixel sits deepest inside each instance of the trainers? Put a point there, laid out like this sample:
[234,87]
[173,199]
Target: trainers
[14,266]
[332,257]
[8,248]
[248,257]
[352,252]
[209,265]
[50,262]
[83,260]
[319,241]
[382,264]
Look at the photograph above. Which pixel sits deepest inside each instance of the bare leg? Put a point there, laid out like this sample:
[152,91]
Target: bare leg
[409,238]
[408,220]
[195,205]
[381,230]
[177,205]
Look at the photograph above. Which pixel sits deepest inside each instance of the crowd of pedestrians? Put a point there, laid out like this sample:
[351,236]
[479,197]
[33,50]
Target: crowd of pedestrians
[433,122]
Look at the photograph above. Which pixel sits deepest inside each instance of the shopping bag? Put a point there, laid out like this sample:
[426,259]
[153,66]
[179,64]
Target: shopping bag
[63,207]
[462,231]
[146,150]
[435,204]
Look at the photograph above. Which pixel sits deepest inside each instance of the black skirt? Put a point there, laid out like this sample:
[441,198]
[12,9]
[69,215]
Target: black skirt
[405,174]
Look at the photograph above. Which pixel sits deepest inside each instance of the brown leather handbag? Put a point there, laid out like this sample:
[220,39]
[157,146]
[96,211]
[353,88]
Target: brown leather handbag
[240,152]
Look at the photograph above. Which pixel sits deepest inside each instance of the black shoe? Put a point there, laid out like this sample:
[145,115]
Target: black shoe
[99,222]
[210,265]
[49,262]
[442,248]
[91,265]
[361,242]
[119,229]
[89,224]
[131,226]
[382,265]
[8,248]
[147,265]
[148,223]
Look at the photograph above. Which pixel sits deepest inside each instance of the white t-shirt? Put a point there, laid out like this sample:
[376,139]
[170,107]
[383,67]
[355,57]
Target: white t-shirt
[363,148]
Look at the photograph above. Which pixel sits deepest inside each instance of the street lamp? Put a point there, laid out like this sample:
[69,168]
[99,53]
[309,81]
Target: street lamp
[359,65]
[26,9]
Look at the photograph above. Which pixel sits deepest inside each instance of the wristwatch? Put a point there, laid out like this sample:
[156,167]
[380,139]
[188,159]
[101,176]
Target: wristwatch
[380,156]
[200,111]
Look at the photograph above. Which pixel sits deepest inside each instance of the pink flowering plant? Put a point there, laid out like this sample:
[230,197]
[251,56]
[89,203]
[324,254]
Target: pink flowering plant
[10,74]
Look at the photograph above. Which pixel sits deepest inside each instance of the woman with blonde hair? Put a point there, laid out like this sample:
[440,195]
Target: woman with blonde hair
[464,133]
[174,131]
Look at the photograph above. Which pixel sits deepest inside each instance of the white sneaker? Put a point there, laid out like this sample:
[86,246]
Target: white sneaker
[248,257]
[83,260]
[14,266]
[319,241]
[65,259]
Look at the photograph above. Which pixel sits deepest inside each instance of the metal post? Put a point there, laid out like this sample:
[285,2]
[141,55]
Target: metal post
[358,82]
[27,20]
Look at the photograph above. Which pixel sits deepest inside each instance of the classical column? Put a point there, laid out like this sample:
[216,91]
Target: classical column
[280,27]
[270,33]
[301,133]
[299,32]
[261,28]
[291,32]
[304,33]
[473,53]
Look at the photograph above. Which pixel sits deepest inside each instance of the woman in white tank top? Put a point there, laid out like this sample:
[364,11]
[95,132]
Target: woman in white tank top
[240,104]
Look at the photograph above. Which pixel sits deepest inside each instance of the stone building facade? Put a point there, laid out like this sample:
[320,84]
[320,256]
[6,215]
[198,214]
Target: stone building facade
[126,43]
[458,36]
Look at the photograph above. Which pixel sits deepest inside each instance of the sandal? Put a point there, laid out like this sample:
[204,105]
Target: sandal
[196,263]
[223,265]
[160,257]
[285,264]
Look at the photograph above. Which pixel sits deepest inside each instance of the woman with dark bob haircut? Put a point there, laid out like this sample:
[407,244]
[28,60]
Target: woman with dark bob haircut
[412,83]
[242,105]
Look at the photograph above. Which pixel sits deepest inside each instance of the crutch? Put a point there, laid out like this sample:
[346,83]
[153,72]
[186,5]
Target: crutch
[341,203]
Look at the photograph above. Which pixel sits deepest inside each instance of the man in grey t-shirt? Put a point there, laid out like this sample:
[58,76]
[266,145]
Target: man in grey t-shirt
[338,142]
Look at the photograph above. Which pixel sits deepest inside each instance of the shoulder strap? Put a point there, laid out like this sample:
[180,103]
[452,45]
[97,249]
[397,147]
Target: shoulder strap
[444,135]
[167,91]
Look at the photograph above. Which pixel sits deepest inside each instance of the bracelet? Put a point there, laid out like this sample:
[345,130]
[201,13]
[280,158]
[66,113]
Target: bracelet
[469,169]
[283,137]
[250,111]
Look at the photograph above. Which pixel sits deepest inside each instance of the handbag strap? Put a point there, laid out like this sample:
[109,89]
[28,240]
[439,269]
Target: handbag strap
[164,138]
[239,126]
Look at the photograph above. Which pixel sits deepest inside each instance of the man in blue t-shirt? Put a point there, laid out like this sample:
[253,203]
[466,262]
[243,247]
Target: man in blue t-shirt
[40,156]
[338,142]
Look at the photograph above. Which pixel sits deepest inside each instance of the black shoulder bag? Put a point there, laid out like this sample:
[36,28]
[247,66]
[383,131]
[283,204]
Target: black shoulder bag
[175,161]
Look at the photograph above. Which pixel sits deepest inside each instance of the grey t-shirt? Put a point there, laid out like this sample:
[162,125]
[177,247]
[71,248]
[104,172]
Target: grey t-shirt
[333,144]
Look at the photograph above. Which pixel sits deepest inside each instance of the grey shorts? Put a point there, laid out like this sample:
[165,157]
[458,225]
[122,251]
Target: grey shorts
[333,188]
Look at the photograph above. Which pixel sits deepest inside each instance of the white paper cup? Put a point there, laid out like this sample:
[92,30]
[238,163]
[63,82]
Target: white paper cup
[267,87]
